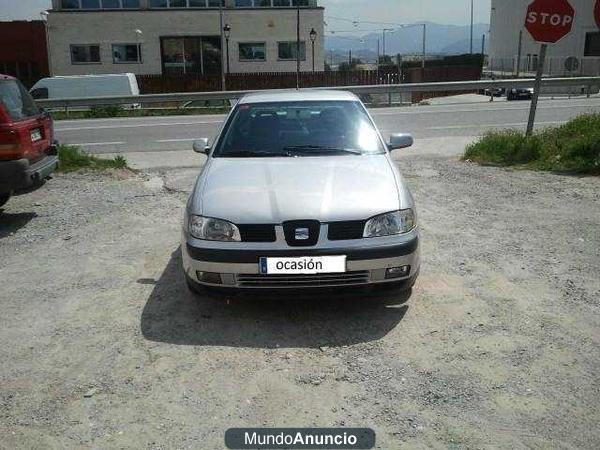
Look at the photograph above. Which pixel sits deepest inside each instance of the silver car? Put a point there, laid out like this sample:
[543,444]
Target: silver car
[300,191]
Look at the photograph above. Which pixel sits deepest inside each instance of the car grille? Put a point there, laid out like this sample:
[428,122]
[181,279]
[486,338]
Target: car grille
[341,231]
[257,233]
[299,281]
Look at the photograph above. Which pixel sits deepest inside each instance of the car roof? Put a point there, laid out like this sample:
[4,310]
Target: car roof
[6,77]
[304,95]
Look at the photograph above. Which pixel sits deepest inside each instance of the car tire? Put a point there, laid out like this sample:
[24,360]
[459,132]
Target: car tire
[3,199]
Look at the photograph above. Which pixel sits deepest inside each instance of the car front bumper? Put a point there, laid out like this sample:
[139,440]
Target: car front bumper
[21,174]
[367,262]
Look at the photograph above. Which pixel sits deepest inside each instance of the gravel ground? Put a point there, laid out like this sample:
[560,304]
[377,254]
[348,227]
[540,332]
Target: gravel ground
[498,344]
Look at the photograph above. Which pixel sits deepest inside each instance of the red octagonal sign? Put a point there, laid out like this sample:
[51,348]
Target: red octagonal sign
[548,21]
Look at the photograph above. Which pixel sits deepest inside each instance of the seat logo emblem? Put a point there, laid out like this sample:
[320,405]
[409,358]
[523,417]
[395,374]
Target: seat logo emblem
[301,234]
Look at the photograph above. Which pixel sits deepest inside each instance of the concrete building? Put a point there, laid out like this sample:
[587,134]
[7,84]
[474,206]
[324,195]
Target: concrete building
[182,36]
[23,52]
[576,54]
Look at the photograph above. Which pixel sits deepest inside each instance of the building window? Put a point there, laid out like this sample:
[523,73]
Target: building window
[287,51]
[70,4]
[90,4]
[183,55]
[100,4]
[271,3]
[127,53]
[252,51]
[185,3]
[85,54]
[592,44]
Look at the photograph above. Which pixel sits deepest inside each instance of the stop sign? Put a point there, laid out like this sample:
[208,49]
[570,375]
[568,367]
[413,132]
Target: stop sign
[548,21]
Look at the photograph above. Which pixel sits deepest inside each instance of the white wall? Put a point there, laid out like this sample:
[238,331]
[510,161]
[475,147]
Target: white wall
[108,27]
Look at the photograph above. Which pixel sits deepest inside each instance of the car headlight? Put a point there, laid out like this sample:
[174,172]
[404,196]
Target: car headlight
[210,229]
[397,222]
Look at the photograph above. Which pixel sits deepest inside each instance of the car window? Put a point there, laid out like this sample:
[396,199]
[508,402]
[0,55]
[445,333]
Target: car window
[40,93]
[316,128]
[16,100]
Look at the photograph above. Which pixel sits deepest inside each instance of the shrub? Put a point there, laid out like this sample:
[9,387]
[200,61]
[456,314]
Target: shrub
[72,158]
[98,112]
[572,147]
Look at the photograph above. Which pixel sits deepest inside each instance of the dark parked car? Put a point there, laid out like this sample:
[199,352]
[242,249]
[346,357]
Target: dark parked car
[28,153]
[519,94]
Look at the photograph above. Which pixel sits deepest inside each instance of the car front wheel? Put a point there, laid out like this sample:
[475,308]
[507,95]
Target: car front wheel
[4,198]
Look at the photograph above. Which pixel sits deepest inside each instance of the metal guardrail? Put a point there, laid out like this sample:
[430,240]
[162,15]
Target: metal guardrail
[587,83]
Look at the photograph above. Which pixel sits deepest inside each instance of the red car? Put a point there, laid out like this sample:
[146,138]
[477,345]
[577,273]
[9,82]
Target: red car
[28,152]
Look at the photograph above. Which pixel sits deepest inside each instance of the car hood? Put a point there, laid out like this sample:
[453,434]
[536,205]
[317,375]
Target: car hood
[273,190]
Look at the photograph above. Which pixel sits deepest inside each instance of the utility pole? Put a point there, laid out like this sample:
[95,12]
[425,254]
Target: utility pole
[483,45]
[471,27]
[424,44]
[378,56]
[519,53]
[349,59]
[297,45]
[385,30]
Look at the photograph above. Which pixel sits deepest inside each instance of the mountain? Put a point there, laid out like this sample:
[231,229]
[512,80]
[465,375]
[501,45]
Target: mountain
[441,39]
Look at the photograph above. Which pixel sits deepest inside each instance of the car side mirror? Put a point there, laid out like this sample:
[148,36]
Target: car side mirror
[400,140]
[202,146]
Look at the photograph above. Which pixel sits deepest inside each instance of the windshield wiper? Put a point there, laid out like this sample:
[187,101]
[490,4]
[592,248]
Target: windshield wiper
[253,154]
[319,148]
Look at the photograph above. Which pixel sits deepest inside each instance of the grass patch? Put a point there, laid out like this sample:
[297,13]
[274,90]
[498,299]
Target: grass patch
[72,158]
[572,148]
[112,111]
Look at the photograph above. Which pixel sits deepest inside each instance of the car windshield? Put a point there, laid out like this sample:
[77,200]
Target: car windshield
[16,100]
[296,129]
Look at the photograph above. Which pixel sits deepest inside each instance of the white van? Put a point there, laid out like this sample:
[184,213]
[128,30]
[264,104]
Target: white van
[84,86]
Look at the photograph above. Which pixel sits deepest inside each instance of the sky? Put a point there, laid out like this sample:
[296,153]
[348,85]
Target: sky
[454,12]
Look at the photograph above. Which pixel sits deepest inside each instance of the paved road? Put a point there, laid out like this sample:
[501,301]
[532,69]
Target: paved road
[177,132]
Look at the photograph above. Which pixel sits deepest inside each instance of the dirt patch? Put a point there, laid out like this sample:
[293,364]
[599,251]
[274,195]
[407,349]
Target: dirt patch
[497,346]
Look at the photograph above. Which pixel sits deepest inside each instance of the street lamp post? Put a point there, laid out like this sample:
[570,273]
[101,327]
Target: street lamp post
[297,45]
[138,40]
[223,81]
[44,16]
[313,38]
[227,31]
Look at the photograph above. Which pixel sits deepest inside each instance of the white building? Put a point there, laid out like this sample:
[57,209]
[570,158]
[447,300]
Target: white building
[182,36]
[576,54]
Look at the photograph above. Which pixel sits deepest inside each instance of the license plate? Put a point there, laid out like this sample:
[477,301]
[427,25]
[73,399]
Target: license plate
[303,265]
[36,135]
